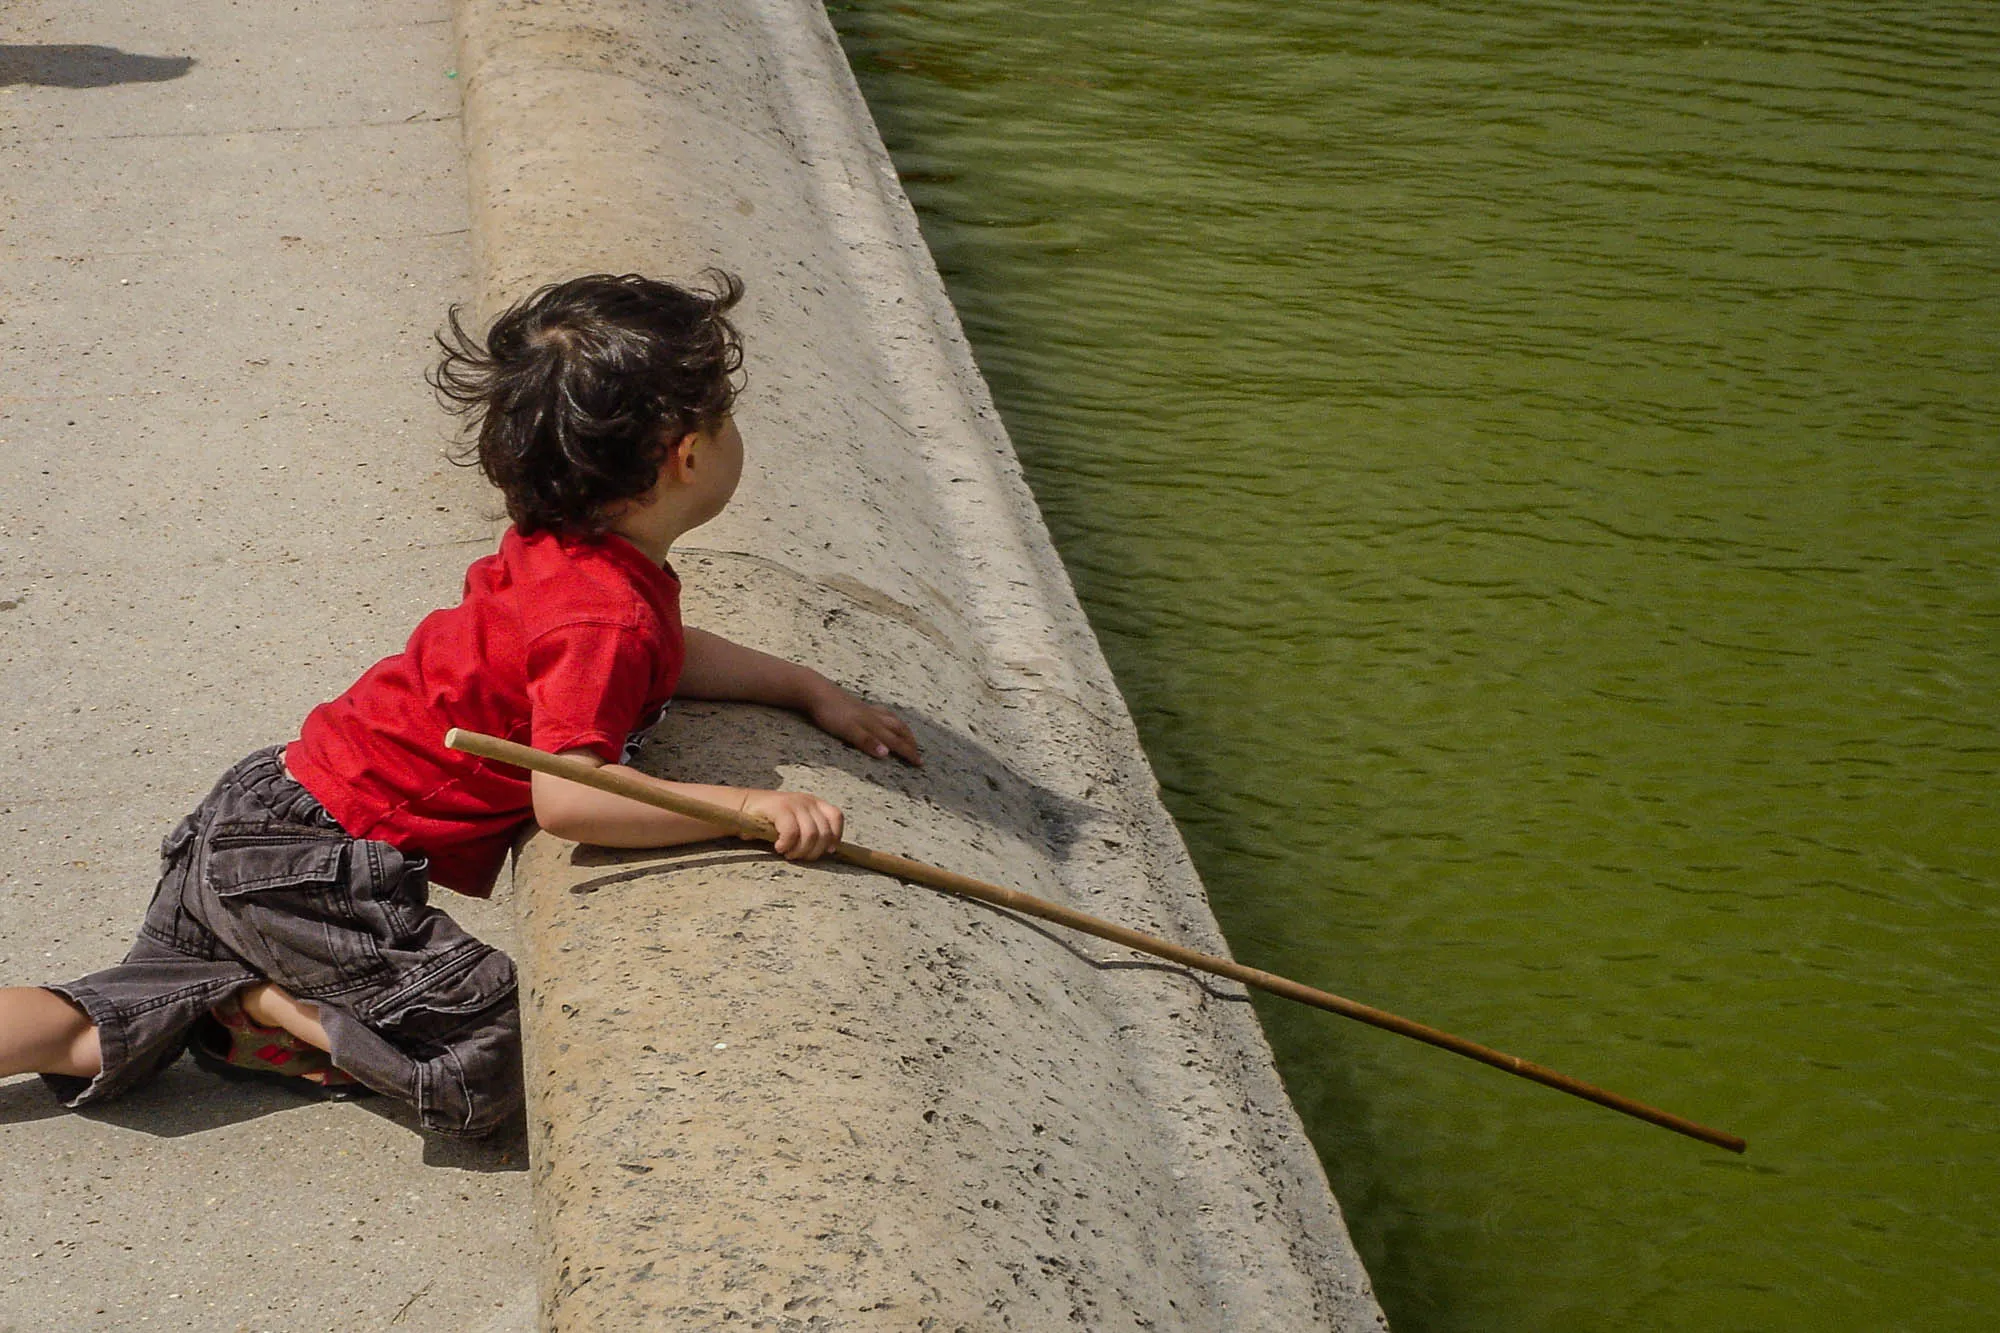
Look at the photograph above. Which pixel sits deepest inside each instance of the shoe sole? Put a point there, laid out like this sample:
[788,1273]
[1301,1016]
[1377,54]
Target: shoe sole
[302,1087]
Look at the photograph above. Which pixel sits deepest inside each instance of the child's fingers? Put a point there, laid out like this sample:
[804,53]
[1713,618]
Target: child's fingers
[824,822]
[889,734]
[903,741]
[808,830]
[871,730]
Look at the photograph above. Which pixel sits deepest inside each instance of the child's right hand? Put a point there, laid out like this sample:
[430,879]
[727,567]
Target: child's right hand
[808,828]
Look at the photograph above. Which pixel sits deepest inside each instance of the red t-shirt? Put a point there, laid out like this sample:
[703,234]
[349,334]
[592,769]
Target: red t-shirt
[560,643]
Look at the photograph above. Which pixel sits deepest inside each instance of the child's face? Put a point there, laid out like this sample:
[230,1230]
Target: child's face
[717,456]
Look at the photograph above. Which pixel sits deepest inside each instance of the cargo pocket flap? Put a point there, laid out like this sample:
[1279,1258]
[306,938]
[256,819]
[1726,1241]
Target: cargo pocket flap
[439,1001]
[247,865]
[484,985]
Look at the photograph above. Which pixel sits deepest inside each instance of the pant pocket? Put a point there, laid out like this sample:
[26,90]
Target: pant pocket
[461,1024]
[278,895]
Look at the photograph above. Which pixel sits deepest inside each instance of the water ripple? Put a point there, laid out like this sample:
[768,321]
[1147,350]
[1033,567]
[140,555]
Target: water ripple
[1534,470]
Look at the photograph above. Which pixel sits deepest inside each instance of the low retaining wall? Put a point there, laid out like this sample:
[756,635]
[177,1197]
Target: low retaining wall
[806,1097]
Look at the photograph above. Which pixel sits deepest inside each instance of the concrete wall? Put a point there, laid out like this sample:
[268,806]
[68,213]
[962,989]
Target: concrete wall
[807,1097]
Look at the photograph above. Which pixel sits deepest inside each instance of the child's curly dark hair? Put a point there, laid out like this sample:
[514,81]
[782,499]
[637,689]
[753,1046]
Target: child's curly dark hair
[581,390]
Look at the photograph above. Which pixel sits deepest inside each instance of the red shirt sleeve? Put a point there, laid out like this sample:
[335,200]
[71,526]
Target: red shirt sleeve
[588,686]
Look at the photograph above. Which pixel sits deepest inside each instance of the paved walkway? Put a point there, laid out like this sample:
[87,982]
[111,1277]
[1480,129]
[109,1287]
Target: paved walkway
[226,231]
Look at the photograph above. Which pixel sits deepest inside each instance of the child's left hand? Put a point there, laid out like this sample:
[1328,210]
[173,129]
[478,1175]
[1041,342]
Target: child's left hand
[869,729]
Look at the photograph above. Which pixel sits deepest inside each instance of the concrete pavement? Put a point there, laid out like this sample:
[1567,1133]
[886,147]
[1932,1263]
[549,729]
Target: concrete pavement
[226,231]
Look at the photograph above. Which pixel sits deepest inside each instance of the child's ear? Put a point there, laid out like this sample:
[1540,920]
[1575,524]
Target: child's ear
[680,462]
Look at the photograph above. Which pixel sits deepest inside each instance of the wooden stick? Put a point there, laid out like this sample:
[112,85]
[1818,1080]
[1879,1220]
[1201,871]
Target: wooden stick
[757,829]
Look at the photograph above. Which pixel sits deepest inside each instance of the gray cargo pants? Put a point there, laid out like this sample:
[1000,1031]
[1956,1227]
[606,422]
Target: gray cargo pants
[260,883]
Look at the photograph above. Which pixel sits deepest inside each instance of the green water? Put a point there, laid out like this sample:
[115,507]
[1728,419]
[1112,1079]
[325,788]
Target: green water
[1533,469]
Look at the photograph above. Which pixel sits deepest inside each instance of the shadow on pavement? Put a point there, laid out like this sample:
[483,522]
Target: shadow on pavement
[184,1100]
[74,66]
[505,1149]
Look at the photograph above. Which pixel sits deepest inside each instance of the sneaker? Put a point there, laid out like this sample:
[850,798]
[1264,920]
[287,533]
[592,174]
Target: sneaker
[225,1041]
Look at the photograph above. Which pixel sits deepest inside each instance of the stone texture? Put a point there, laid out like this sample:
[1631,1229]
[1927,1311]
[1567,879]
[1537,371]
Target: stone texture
[804,1097]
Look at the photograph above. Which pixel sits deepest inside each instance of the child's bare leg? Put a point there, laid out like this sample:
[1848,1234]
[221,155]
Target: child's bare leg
[273,1007]
[43,1033]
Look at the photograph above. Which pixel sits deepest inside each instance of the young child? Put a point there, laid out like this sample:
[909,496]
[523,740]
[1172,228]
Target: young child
[291,935]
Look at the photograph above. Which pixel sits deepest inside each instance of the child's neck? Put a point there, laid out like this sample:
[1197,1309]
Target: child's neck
[654,549]
[653,528]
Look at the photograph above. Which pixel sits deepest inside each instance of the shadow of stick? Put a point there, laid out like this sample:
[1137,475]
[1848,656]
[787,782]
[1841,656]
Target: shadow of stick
[709,855]
[1213,988]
